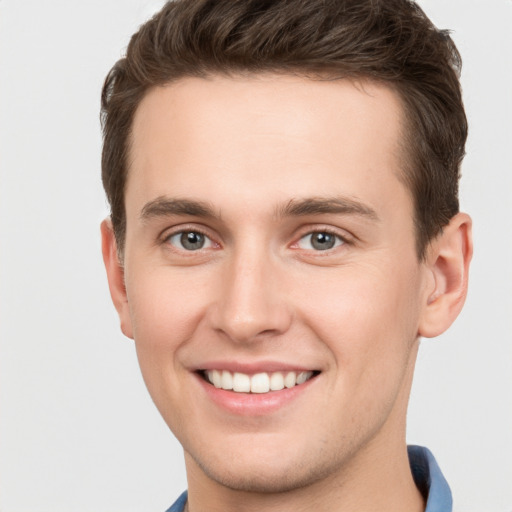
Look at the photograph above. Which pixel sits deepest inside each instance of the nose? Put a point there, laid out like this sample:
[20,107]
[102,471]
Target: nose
[251,303]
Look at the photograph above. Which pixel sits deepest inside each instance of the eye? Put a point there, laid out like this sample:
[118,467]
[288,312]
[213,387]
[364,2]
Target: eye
[320,241]
[190,240]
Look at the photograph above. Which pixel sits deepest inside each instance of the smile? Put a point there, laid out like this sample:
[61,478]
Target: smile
[258,383]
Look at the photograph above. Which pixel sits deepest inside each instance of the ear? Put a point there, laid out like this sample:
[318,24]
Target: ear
[115,276]
[447,263]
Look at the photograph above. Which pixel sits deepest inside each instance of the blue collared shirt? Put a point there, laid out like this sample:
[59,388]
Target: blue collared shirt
[427,476]
[429,480]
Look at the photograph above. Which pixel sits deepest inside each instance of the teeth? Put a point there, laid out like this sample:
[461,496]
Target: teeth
[216,379]
[276,381]
[257,383]
[227,380]
[241,383]
[302,377]
[290,379]
[260,383]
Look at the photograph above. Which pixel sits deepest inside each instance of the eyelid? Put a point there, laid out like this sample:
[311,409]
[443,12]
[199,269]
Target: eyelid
[343,235]
[338,241]
[346,237]
[167,233]
[174,238]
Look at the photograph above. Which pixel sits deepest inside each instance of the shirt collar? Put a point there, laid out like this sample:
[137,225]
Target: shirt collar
[429,479]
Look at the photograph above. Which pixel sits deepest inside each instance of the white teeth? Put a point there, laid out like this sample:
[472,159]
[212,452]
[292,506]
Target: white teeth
[241,383]
[260,383]
[276,381]
[257,383]
[227,380]
[303,377]
[290,379]
[216,379]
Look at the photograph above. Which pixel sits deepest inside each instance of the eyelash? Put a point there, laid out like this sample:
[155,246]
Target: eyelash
[165,239]
[340,240]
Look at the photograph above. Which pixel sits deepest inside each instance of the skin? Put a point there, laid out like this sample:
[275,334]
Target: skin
[249,150]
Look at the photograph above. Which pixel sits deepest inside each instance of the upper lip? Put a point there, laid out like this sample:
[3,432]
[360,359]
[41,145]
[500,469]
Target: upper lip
[251,368]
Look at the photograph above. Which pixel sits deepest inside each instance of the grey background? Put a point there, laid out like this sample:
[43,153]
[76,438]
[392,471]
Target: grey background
[77,428]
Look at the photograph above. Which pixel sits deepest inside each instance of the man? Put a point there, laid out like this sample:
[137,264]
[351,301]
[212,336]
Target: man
[284,228]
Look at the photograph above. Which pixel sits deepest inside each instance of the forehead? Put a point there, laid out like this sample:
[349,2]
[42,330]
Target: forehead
[267,137]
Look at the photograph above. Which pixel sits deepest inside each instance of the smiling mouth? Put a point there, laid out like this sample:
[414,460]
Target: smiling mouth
[258,383]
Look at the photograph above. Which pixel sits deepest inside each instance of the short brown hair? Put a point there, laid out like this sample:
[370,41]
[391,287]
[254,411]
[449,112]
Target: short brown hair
[390,41]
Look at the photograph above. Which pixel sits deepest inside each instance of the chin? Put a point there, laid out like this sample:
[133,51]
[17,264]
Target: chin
[264,480]
[278,474]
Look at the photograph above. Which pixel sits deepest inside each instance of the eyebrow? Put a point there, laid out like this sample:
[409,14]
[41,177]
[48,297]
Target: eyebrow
[322,205]
[165,206]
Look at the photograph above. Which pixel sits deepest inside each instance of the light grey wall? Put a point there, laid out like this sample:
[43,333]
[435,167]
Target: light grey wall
[78,430]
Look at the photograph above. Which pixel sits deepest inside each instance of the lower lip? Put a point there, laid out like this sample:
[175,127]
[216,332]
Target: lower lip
[253,404]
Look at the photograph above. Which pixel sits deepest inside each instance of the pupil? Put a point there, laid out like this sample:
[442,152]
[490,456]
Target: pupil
[192,240]
[323,241]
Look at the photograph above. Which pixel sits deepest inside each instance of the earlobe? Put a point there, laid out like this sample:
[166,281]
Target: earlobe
[448,264]
[115,276]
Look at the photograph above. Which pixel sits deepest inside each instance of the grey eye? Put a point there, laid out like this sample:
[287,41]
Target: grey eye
[190,240]
[320,241]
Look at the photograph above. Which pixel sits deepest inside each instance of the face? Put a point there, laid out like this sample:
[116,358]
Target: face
[270,248]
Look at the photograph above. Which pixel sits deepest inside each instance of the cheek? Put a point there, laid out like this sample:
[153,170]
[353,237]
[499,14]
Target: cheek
[367,314]
[368,321]
[165,309]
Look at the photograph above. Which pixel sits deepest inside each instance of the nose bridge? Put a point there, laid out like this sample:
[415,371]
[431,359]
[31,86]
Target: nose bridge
[250,303]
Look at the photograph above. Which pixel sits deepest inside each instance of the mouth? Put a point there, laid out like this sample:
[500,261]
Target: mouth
[258,383]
